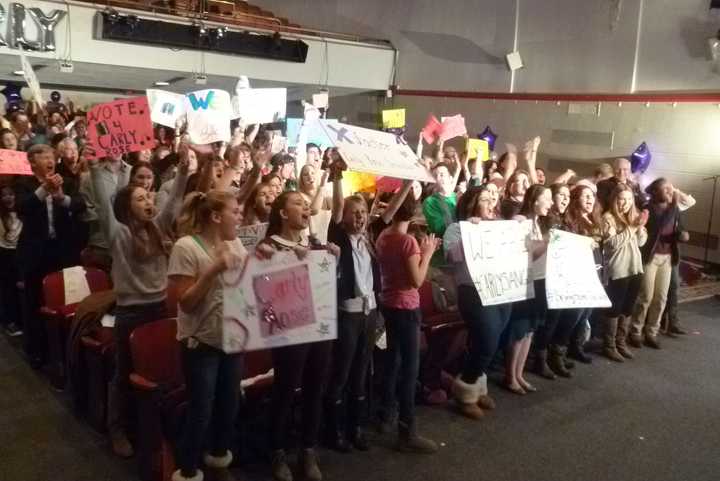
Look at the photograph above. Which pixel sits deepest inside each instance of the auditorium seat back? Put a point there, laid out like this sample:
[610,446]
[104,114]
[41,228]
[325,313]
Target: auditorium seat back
[156,353]
[54,286]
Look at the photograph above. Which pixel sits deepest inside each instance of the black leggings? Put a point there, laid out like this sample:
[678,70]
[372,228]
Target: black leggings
[485,327]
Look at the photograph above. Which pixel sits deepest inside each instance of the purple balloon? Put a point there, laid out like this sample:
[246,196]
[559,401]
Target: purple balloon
[489,136]
[12,92]
[640,159]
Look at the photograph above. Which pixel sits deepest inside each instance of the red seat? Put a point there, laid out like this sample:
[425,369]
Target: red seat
[98,351]
[58,317]
[157,380]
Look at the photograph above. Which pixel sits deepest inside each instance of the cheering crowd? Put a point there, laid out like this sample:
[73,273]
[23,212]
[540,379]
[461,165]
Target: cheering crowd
[163,222]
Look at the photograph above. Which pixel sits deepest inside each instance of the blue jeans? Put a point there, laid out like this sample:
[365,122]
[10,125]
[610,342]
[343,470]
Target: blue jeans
[212,379]
[485,326]
[401,364]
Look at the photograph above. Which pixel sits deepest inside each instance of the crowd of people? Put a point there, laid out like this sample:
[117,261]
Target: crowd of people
[163,222]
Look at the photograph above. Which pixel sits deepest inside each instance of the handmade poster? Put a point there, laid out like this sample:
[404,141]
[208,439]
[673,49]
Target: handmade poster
[453,127]
[393,119]
[375,152]
[120,127]
[571,277]
[498,260]
[321,100]
[208,116]
[250,235]
[76,284]
[280,302]
[259,106]
[14,162]
[478,149]
[165,107]
[313,132]
[431,131]
[31,78]
[278,144]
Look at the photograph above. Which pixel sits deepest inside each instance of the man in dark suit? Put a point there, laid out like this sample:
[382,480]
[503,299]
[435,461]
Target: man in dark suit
[47,212]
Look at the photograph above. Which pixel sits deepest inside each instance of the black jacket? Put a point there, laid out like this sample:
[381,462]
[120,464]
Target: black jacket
[656,221]
[34,215]
[346,282]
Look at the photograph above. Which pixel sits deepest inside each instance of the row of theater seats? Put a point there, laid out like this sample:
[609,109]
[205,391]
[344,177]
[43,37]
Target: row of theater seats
[157,379]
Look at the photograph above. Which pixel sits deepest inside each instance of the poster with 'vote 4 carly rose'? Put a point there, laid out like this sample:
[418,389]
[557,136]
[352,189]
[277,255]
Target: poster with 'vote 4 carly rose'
[120,127]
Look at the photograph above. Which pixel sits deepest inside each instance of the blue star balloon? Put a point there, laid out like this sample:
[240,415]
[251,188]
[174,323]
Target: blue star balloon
[13,97]
[489,136]
[640,159]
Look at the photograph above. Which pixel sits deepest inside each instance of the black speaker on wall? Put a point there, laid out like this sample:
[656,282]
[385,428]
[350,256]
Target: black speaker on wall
[132,29]
[714,4]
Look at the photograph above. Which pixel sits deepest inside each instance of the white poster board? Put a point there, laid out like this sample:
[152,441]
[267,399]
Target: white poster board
[259,106]
[571,277]
[375,152]
[31,79]
[208,116]
[280,302]
[250,235]
[165,107]
[498,260]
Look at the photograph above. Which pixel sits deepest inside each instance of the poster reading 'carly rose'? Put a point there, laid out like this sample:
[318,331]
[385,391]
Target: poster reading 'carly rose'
[120,127]
[281,302]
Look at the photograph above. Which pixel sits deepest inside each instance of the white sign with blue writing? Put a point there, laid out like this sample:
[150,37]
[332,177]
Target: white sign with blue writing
[375,152]
[208,116]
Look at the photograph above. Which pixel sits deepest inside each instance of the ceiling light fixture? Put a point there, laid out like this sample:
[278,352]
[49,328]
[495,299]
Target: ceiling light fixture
[161,83]
[19,73]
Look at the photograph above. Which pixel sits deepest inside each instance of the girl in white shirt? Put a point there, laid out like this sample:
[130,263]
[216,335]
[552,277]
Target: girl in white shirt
[212,377]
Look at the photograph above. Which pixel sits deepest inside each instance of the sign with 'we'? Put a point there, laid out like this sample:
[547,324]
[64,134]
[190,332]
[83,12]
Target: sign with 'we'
[208,116]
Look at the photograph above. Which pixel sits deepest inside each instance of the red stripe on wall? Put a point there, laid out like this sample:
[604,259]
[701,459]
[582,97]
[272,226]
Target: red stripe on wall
[548,97]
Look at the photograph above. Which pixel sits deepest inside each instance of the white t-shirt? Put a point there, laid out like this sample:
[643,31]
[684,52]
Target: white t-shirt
[189,258]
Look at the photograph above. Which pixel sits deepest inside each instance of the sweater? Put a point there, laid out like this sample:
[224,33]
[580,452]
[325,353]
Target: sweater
[621,248]
[136,281]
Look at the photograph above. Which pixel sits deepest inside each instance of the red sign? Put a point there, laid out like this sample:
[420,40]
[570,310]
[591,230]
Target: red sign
[432,129]
[13,162]
[120,127]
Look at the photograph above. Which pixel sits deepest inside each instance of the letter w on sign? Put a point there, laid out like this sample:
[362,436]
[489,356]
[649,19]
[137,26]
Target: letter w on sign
[199,103]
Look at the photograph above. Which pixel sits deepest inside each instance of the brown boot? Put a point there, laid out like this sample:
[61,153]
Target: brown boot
[541,367]
[621,337]
[557,361]
[467,396]
[609,347]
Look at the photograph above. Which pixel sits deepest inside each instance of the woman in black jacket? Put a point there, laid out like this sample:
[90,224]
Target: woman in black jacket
[659,254]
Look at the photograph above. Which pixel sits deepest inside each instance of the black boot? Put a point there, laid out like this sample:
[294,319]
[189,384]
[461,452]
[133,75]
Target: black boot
[334,433]
[355,433]
[576,350]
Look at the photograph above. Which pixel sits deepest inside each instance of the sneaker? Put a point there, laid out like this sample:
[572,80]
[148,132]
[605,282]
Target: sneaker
[387,423]
[280,469]
[438,397]
[676,329]
[13,330]
[121,446]
[414,443]
[309,463]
